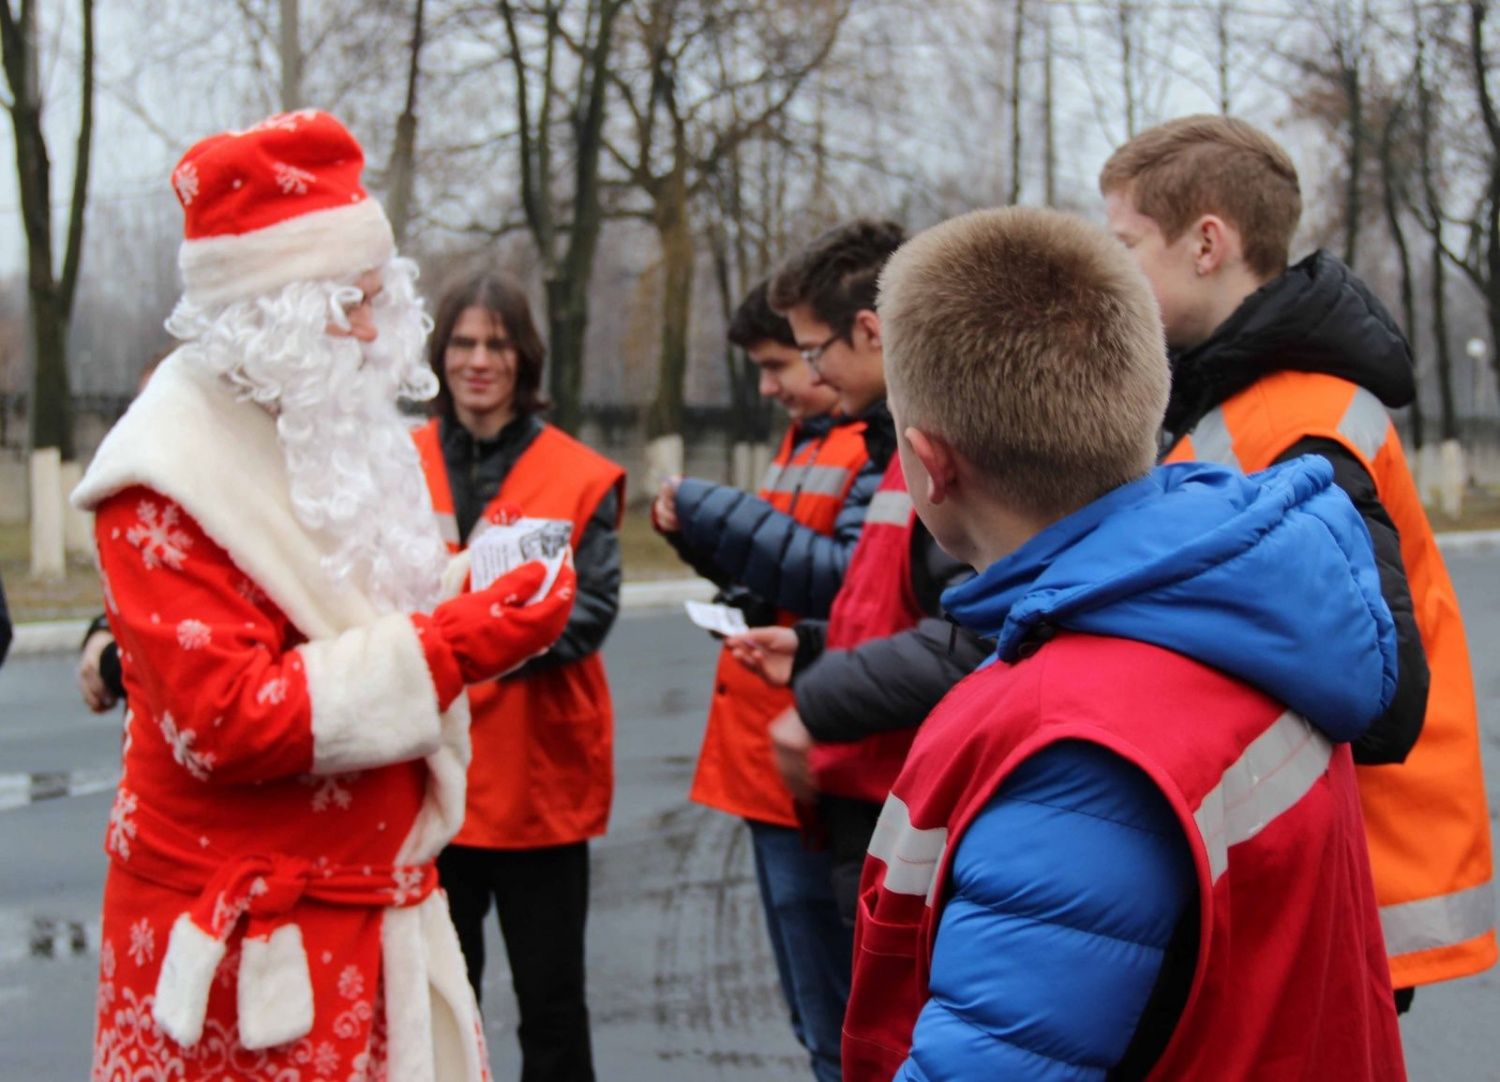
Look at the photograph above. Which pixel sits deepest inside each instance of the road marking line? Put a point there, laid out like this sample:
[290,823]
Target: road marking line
[20,790]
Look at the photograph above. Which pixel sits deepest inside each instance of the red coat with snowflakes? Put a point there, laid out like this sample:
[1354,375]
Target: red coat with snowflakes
[269,911]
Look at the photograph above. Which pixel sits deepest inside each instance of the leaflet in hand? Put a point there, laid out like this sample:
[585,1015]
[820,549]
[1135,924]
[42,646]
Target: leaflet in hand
[501,549]
[720,619]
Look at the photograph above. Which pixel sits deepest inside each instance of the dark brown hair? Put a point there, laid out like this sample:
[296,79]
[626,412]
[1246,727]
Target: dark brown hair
[1195,165]
[836,274]
[503,298]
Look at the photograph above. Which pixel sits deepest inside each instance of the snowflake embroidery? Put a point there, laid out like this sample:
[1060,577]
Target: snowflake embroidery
[142,942]
[193,635]
[273,691]
[326,1058]
[348,1024]
[291,180]
[330,791]
[107,959]
[121,825]
[351,983]
[185,180]
[106,997]
[157,536]
[250,592]
[408,885]
[226,913]
[196,763]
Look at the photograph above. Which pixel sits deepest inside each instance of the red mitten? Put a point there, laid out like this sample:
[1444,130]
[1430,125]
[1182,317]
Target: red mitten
[487,634]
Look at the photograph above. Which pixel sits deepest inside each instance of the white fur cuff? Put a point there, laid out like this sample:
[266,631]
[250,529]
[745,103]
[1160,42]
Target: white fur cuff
[373,700]
[275,994]
[182,987]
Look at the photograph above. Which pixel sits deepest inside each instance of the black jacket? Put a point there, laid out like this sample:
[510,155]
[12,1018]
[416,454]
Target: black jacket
[476,469]
[1318,317]
[5,631]
[891,682]
[735,539]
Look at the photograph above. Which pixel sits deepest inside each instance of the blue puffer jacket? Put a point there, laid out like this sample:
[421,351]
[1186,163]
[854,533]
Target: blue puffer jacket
[1269,578]
[734,537]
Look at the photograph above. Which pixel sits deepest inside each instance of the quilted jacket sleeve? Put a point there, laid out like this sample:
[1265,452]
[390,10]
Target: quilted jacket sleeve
[740,538]
[1062,899]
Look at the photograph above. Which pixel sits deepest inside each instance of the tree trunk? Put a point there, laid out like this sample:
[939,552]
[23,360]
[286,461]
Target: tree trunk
[1353,187]
[1016,57]
[1049,121]
[1391,200]
[675,232]
[1441,351]
[290,54]
[404,151]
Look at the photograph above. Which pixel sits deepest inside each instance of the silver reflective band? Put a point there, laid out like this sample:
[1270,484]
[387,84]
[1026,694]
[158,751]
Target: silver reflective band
[1273,773]
[1438,922]
[910,855]
[447,526]
[1365,423]
[1212,442]
[891,508]
[812,480]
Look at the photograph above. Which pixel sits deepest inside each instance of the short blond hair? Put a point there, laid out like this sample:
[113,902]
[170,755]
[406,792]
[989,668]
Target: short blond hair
[1179,171]
[1029,340]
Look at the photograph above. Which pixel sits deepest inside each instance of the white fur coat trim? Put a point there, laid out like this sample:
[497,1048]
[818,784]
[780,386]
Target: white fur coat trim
[339,242]
[387,714]
[275,999]
[182,986]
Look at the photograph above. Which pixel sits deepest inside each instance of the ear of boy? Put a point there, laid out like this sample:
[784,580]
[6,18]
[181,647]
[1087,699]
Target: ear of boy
[957,504]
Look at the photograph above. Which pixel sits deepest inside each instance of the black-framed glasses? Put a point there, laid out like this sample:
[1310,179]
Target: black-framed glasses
[813,354]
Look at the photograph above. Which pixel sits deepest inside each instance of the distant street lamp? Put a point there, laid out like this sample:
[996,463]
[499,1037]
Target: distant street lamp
[1477,349]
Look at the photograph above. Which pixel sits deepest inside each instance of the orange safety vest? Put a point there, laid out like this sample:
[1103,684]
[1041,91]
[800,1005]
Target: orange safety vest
[736,772]
[543,767]
[1427,818]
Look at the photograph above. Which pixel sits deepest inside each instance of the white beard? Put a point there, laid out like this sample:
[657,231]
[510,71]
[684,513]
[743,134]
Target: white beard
[353,470]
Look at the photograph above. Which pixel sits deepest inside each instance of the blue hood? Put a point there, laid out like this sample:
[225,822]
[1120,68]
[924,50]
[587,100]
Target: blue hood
[1269,578]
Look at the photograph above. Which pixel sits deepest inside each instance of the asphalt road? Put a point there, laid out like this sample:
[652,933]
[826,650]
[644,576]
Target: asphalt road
[682,986]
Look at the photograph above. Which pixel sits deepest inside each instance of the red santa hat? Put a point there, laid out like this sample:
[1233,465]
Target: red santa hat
[278,203]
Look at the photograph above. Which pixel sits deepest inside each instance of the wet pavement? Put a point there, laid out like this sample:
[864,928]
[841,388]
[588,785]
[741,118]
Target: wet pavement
[681,982]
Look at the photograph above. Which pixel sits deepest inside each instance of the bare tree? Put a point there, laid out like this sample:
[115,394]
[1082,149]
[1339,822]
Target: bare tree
[51,290]
[709,76]
[562,204]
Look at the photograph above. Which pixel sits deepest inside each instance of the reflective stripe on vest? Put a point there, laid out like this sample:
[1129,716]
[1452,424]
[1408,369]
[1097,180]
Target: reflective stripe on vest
[911,855]
[1269,777]
[1439,921]
[809,480]
[889,508]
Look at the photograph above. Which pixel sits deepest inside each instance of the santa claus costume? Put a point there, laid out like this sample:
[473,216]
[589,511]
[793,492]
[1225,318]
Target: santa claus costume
[296,736]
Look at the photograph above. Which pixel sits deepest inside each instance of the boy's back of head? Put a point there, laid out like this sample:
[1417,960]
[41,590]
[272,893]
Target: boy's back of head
[835,276]
[1179,171]
[1029,341]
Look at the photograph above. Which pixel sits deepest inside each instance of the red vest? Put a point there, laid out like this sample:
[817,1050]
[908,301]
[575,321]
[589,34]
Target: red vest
[543,767]
[736,772]
[875,600]
[1291,979]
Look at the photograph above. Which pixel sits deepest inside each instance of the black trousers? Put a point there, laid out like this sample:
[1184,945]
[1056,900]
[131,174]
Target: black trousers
[542,899]
[849,823]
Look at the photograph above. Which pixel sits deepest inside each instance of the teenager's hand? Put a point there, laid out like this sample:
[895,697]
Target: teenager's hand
[664,507]
[766,651]
[791,744]
[96,696]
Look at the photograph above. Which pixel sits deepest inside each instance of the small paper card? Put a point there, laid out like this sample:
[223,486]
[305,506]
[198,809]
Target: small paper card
[501,549]
[720,619]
